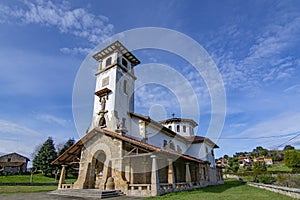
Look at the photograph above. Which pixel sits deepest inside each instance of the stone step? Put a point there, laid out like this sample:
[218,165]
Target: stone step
[90,193]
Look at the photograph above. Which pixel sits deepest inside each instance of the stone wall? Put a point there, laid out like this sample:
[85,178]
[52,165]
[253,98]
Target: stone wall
[292,192]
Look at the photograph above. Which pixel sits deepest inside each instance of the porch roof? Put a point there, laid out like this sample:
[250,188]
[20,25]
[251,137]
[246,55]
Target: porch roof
[73,153]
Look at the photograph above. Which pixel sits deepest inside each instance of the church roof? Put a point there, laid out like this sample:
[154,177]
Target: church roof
[158,125]
[121,48]
[70,155]
[188,139]
[176,119]
[199,139]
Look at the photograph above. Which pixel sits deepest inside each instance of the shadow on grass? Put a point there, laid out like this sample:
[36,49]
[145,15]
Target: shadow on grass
[221,188]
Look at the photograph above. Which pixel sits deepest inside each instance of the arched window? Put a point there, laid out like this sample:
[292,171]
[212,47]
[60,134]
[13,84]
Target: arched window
[171,145]
[178,128]
[125,87]
[204,173]
[184,129]
[102,122]
[124,62]
[170,127]
[179,150]
[165,143]
[108,61]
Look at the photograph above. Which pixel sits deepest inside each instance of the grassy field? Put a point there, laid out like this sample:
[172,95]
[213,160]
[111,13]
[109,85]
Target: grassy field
[37,178]
[26,189]
[231,190]
[278,167]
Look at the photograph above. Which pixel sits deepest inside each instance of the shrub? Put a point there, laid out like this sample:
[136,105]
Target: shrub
[266,179]
[288,180]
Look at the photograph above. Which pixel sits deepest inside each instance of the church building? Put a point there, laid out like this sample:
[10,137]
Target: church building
[126,151]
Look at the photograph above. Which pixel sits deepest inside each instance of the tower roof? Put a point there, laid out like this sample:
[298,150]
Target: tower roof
[121,48]
[175,119]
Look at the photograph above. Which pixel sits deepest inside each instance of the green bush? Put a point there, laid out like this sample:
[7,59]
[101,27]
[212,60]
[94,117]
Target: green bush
[266,179]
[288,180]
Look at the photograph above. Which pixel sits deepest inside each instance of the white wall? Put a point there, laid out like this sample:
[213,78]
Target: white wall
[198,150]
[189,128]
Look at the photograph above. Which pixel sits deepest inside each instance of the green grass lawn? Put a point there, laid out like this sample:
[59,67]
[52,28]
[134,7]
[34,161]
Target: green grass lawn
[26,189]
[278,167]
[231,190]
[37,178]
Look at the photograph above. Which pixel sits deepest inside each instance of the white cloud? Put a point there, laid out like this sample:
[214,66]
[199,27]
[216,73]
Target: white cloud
[12,128]
[168,88]
[18,138]
[293,89]
[52,119]
[76,50]
[278,130]
[250,59]
[78,22]
[237,125]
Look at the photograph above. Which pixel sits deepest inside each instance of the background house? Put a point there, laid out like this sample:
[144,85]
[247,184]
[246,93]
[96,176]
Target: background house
[13,163]
[266,160]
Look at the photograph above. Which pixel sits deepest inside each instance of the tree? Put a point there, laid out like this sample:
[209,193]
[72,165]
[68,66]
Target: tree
[46,154]
[233,164]
[259,168]
[66,146]
[259,151]
[288,147]
[276,155]
[292,160]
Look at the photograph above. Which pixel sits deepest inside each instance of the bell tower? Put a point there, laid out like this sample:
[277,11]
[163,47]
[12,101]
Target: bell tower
[114,92]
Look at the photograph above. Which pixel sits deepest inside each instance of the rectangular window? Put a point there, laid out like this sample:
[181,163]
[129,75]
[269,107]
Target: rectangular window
[105,81]
[124,62]
[184,129]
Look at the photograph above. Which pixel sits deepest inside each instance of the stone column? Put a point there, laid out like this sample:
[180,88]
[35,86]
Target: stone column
[127,169]
[154,177]
[200,173]
[188,174]
[62,176]
[131,172]
[171,177]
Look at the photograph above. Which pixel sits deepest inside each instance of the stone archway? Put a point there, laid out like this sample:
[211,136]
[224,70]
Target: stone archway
[100,169]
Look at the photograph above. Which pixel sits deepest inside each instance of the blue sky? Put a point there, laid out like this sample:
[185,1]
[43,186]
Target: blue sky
[255,45]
